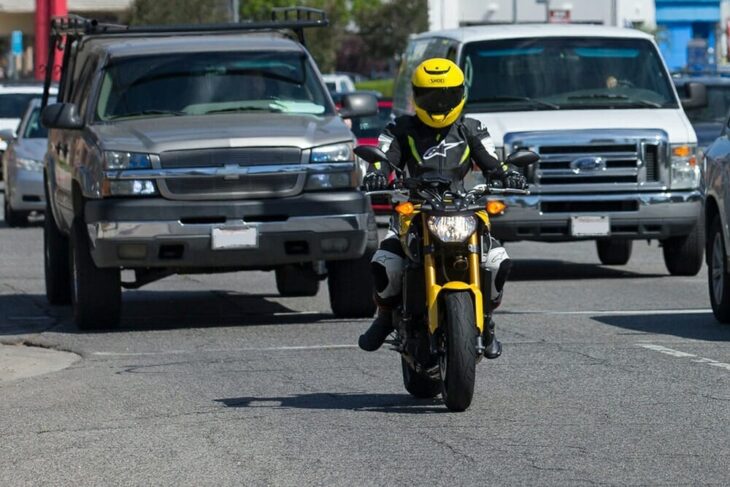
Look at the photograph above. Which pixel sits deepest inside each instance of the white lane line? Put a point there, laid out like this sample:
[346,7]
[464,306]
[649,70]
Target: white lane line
[640,312]
[677,353]
[219,350]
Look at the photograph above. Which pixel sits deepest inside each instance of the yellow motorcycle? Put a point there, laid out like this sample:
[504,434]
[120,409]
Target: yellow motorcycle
[440,326]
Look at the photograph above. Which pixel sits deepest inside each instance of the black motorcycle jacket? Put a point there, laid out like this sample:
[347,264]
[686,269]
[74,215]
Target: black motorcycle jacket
[412,145]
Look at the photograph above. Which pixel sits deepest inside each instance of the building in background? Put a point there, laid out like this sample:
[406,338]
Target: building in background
[19,15]
[447,14]
[689,31]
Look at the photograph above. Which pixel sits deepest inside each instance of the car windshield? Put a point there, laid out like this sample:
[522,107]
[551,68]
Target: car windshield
[211,82]
[718,105]
[565,73]
[13,105]
[370,127]
[34,129]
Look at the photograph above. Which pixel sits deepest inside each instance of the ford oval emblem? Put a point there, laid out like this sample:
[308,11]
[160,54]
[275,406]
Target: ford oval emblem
[590,163]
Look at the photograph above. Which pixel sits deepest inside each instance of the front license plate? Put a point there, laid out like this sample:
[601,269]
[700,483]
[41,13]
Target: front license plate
[234,238]
[590,226]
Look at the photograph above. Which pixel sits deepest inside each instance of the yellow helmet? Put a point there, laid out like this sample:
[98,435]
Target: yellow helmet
[438,92]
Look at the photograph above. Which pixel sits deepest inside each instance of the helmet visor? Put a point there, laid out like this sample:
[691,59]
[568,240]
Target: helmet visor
[438,100]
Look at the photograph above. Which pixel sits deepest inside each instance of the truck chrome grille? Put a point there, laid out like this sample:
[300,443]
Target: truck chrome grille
[227,186]
[592,160]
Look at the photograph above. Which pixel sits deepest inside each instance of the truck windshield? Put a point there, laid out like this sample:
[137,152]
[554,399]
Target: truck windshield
[210,83]
[565,73]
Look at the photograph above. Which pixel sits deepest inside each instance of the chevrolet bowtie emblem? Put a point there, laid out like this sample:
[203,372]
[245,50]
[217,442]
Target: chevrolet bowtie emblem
[230,172]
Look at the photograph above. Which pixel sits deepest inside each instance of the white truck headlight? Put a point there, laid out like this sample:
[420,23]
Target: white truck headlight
[337,180]
[452,229]
[343,152]
[32,165]
[129,187]
[685,171]
[115,160]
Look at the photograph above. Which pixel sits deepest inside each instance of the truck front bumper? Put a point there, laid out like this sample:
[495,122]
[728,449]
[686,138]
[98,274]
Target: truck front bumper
[159,233]
[632,216]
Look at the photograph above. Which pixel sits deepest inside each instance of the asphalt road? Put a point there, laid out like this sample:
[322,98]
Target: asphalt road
[610,375]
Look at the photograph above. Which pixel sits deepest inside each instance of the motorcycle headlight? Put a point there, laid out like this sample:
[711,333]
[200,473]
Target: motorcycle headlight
[333,153]
[452,229]
[114,160]
[29,164]
[685,170]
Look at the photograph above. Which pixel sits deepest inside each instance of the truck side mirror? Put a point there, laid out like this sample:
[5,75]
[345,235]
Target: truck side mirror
[358,105]
[62,116]
[696,95]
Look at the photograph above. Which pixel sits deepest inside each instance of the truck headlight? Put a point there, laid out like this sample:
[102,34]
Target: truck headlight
[343,152]
[452,229]
[115,160]
[685,172]
[337,180]
[128,187]
[32,165]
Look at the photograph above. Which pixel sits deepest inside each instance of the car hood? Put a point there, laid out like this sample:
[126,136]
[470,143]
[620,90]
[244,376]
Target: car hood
[31,148]
[155,135]
[673,121]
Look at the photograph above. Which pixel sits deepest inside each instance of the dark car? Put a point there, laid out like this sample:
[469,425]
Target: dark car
[709,120]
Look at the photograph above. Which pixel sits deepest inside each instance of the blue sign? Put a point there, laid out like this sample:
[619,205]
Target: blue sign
[16,42]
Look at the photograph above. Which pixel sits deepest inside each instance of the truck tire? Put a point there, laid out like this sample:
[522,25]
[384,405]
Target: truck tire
[96,294]
[56,262]
[683,255]
[350,282]
[718,278]
[297,280]
[419,385]
[14,218]
[614,251]
[458,363]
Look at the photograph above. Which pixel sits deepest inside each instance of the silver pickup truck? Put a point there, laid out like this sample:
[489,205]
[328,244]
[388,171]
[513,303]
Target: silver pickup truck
[199,150]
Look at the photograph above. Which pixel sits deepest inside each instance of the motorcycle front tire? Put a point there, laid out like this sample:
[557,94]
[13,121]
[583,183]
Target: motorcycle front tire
[458,363]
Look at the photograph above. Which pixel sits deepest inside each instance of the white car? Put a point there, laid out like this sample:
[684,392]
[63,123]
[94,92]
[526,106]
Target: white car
[23,168]
[338,83]
[14,99]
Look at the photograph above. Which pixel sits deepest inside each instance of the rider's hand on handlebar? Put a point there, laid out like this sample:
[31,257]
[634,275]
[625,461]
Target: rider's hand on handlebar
[514,180]
[375,181]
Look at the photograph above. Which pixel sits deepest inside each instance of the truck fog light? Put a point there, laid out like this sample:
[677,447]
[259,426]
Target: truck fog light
[132,251]
[131,187]
[329,181]
[335,245]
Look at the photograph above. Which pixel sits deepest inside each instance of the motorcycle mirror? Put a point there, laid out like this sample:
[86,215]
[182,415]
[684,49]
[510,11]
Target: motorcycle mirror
[522,158]
[373,154]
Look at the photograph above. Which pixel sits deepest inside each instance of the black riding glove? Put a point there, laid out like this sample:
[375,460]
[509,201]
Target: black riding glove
[375,181]
[514,180]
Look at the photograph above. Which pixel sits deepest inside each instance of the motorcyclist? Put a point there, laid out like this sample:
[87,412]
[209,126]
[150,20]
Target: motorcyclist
[436,138]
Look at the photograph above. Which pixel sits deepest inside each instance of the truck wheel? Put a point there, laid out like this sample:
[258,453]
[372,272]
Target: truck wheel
[717,275]
[613,251]
[96,294]
[14,218]
[297,280]
[56,262]
[683,255]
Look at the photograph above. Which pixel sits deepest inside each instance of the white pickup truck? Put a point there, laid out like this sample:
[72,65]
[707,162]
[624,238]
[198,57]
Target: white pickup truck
[618,156]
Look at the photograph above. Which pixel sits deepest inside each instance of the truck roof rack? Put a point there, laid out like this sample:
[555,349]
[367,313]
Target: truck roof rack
[65,30]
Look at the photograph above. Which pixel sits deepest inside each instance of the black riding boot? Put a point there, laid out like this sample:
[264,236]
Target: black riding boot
[493,346]
[374,337]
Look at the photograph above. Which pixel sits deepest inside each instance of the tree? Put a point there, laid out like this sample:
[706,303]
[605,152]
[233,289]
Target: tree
[386,26]
[178,11]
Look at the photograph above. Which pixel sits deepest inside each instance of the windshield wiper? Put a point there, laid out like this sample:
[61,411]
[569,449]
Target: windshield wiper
[612,96]
[246,109]
[148,112]
[497,99]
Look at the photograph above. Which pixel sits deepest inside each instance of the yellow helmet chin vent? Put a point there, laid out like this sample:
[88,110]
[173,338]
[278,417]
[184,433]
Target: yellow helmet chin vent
[438,92]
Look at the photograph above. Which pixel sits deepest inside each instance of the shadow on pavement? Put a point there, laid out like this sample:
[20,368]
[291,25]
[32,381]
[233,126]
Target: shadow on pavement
[560,270]
[696,326]
[156,310]
[385,403]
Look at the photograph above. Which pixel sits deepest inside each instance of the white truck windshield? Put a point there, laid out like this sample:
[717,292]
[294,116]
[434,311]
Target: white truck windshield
[565,73]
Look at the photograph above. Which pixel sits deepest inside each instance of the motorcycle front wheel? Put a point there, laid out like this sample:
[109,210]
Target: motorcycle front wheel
[458,362]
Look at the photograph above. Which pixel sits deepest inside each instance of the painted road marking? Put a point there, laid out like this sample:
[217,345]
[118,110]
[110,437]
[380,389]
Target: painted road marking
[261,349]
[676,353]
[639,312]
